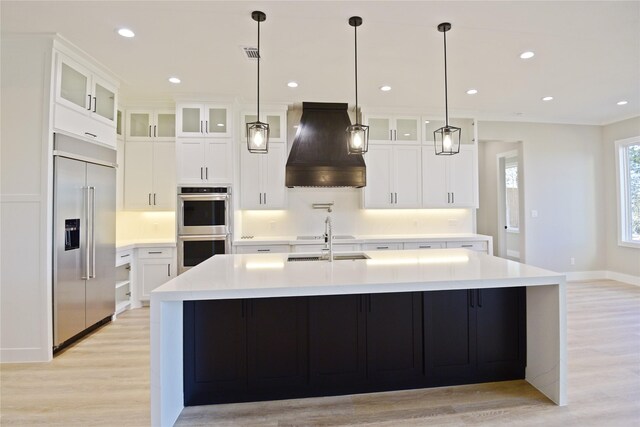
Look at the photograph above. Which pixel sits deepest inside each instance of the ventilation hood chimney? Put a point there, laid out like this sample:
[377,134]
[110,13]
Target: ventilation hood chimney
[319,156]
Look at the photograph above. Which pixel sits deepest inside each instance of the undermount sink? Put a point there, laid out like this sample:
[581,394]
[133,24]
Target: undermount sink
[336,257]
[337,237]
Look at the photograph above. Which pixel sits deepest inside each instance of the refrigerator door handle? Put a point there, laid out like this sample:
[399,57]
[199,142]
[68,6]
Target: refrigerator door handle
[85,193]
[93,232]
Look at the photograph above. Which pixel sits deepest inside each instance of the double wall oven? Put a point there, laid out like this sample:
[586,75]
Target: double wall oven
[204,224]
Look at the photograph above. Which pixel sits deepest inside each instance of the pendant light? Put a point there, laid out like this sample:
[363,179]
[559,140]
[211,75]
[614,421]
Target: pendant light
[447,138]
[357,134]
[258,132]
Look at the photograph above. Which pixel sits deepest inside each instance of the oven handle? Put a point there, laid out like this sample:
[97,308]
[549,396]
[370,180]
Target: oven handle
[205,237]
[204,197]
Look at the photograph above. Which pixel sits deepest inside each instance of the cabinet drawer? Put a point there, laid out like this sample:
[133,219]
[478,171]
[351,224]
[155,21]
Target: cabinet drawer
[425,245]
[124,257]
[79,124]
[259,249]
[381,246]
[474,246]
[155,253]
[337,247]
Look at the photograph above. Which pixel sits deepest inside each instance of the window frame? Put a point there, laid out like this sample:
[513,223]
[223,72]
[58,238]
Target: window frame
[622,192]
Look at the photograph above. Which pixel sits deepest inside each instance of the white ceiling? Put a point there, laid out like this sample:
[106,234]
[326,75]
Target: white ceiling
[587,52]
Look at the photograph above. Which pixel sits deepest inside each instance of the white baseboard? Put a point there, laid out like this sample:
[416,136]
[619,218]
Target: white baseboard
[603,275]
[24,355]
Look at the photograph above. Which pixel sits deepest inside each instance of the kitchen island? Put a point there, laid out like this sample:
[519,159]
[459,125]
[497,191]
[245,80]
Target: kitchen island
[252,278]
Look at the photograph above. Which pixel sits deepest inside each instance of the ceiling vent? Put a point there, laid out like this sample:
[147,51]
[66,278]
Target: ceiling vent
[250,52]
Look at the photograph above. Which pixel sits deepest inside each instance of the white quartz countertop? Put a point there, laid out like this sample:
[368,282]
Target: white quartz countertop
[271,275]
[122,245]
[391,238]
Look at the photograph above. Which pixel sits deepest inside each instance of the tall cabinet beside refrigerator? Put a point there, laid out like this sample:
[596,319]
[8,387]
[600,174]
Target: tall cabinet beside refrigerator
[83,238]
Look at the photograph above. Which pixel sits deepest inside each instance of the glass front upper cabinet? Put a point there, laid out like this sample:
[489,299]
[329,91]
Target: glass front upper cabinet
[390,129]
[203,120]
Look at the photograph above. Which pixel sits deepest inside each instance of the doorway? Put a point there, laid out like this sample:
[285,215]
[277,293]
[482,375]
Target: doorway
[509,205]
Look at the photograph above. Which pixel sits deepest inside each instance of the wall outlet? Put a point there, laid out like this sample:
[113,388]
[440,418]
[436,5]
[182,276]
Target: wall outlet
[534,213]
[573,261]
[272,225]
[453,223]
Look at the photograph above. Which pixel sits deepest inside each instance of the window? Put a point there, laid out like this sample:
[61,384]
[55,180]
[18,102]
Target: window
[628,168]
[511,195]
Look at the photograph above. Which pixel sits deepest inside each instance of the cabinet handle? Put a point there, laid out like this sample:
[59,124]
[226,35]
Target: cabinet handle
[264,250]
[89,108]
[128,294]
[480,298]
[91,134]
[382,247]
[448,197]
[391,194]
[95,104]
[206,126]
[395,135]
[260,198]
[200,172]
[206,172]
[154,199]
[154,130]
[396,198]
[154,252]
[149,131]
[390,135]
[453,197]
[169,270]
[424,246]
[471,303]
[467,246]
[200,126]
[265,198]
[149,199]
[124,256]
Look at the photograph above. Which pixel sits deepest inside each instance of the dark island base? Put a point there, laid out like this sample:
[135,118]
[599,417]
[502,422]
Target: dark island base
[282,348]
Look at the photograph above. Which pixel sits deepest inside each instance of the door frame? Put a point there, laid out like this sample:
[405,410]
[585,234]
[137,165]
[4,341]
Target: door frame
[501,200]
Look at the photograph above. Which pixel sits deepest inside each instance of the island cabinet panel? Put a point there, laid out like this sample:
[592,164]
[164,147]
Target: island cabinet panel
[394,338]
[277,343]
[474,335]
[337,346]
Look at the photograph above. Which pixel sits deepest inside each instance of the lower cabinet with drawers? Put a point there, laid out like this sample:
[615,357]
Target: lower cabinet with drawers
[154,267]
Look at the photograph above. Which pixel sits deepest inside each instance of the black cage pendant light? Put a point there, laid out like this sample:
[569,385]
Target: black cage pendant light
[447,138]
[357,134]
[258,132]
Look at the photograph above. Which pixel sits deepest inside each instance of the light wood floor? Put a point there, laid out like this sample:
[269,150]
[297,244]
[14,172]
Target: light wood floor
[104,381]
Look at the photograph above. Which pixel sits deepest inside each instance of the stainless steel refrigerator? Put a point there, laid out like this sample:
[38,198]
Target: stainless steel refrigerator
[83,238]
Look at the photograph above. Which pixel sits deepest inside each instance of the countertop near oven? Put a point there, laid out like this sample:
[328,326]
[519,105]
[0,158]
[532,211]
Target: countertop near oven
[363,238]
[122,245]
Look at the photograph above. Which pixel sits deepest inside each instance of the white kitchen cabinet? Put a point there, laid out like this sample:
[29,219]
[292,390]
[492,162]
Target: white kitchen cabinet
[476,245]
[124,285]
[262,178]
[199,120]
[150,176]
[201,161]
[151,125]
[425,245]
[154,267]
[277,121]
[394,177]
[383,246]
[85,101]
[260,249]
[337,247]
[450,181]
[396,129]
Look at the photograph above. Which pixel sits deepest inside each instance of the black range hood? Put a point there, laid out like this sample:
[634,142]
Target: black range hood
[319,156]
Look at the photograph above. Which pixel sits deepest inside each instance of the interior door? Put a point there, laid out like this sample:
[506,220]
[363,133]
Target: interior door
[69,263]
[100,289]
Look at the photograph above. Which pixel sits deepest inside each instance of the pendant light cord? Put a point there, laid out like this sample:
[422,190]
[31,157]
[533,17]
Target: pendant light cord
[355,33]
[258,108]
[446,100]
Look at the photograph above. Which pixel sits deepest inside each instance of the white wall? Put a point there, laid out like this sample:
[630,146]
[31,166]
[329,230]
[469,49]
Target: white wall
[563,172]
[619,259]
[349,218]
[25,279]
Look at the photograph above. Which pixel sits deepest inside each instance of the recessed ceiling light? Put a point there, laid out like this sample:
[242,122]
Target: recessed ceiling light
[292,84]
[174,80]
[622,102]
[385,88]
[125,32]
[472,91]
[527,55]
[547,98]
[426,121]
